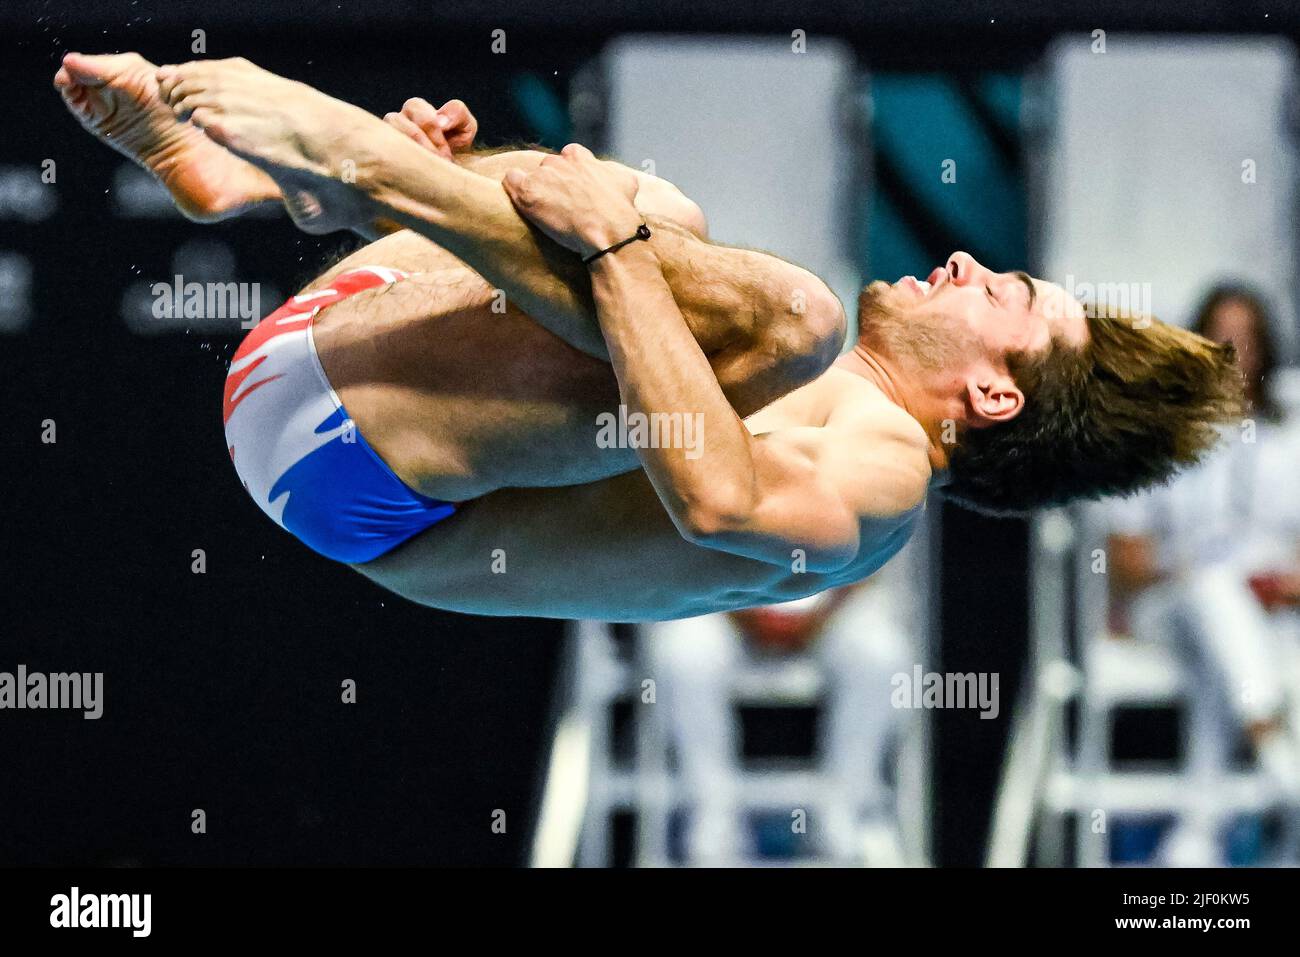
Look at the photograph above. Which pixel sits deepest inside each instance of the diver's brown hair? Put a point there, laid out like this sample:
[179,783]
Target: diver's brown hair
[1137,402]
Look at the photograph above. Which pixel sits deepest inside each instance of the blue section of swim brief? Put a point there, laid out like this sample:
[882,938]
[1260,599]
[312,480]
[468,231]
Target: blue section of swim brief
[347,504]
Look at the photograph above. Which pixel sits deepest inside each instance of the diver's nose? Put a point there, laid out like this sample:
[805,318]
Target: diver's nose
[963,268]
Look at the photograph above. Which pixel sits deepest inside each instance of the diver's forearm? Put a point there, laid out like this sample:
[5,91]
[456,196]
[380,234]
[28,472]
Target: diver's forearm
[663,375]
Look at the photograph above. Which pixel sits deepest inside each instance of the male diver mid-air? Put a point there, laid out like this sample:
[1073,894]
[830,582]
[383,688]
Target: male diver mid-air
[436,409]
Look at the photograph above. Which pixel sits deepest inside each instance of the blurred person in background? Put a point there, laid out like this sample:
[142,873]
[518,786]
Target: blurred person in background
[1208,563]
[858,642]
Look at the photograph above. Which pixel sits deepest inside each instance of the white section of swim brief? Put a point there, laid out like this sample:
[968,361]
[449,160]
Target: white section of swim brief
[274,423]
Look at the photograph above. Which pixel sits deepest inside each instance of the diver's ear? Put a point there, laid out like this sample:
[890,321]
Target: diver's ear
[993,398]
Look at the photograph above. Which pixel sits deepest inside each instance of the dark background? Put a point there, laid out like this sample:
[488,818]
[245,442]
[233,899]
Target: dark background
[223,689]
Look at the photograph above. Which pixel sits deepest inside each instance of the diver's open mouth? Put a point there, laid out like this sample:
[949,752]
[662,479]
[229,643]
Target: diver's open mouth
[922,287]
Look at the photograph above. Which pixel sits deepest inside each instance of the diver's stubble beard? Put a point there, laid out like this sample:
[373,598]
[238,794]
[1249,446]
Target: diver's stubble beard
[920,342]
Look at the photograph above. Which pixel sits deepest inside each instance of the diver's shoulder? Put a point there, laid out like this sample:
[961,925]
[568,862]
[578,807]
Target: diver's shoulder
[888,449]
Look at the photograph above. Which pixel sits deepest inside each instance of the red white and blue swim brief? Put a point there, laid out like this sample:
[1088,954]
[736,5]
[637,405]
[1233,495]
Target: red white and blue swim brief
[299,454]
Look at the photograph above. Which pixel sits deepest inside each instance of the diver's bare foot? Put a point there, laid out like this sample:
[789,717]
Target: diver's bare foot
[311,144]
[115,97]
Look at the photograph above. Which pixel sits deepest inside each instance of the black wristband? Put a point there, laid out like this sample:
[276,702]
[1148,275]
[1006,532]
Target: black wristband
[642,232]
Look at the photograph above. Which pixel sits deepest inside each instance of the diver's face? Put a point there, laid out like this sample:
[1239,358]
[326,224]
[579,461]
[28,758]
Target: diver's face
[964,311]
